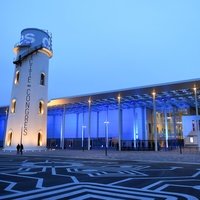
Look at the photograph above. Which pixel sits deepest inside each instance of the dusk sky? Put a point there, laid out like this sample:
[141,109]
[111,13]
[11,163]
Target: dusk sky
[102,45]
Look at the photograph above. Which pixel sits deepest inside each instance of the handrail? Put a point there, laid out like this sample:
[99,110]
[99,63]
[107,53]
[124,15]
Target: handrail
[26,54]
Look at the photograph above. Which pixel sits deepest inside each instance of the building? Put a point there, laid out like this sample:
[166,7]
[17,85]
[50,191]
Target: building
[27,116]
[151,117]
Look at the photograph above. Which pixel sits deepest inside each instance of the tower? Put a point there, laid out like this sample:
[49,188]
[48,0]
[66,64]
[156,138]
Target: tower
[27,119]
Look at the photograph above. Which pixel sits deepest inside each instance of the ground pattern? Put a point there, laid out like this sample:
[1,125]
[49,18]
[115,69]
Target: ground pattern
[24,177]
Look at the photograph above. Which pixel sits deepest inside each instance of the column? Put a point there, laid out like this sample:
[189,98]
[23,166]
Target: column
[197,116]
[174,122]
[166,129]
[154,122]
[5,125]
[106,132]
[144,119]
[134,128]
[119,123]
[54,124]
[144,124]
[77,122]
[97,124]
[83,132]
[62,132]
[89,123]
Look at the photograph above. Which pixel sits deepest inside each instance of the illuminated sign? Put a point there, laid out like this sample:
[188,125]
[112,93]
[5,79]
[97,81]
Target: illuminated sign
[35,37]
[27,99]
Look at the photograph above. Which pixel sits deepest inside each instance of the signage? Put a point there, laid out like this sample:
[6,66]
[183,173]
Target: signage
[35,37]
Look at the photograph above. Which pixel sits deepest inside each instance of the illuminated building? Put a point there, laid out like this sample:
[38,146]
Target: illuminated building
[27,117]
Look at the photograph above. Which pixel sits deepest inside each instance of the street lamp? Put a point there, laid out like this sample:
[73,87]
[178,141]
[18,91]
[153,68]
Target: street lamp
[82,136]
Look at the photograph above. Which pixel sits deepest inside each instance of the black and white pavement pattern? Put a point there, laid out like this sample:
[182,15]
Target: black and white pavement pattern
[24,177]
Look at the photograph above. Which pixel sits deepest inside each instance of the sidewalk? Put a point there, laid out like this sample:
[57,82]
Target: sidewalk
[160,156]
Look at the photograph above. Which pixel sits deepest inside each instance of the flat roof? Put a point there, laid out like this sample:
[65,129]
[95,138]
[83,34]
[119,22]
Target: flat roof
[168,96]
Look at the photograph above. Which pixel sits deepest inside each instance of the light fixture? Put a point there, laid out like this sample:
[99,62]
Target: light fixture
[119,98]
[191,140]
[154,93]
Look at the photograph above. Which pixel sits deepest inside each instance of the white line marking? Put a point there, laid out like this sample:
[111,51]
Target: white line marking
[117,182]
[39,183]
[93,196]
[44,169]
[196,174]
[53,171]
[74,179]
[152,185]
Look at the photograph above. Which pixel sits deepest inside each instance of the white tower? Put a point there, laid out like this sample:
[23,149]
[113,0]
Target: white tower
[27,119]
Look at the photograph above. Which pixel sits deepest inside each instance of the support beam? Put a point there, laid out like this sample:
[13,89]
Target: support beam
[134,128]
[144,125]
[197,117]
[5,126]
[166,129]
[174,122]
[62,131]
[119,123]
[77,123]
[154,122]
[89,124]
[106,132]
[97,124]
[83,127]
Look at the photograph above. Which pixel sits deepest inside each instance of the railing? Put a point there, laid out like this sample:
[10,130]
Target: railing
[126,145]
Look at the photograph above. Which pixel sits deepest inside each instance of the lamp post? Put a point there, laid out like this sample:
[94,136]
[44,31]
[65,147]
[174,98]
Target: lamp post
[82,136]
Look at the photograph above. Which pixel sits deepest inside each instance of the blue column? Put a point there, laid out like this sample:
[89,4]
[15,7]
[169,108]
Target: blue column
[62,132]
[154,122]
[77,122]
[97,124]
[174,122]
[166,129]
[89,123]
[134,127]
[144,125]
[197,117]
[83,132]
[5,127]
[119,123]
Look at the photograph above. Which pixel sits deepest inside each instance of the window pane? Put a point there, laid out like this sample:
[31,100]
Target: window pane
[41,107]
[42,79]
[13,106]
[17,77]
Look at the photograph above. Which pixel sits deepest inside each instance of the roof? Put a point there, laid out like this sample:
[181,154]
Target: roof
[168,96]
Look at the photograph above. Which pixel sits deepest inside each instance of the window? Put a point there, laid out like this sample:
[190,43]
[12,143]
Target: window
[39,143]
[41,107]
[193,125]
[42,79]
[13,106]
[17,77]
[9,138]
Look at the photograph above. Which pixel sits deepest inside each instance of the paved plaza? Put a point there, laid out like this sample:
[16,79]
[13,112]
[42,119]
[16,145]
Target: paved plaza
[72,174]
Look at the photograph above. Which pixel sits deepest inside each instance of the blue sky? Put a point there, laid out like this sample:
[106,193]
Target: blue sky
[102,45]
